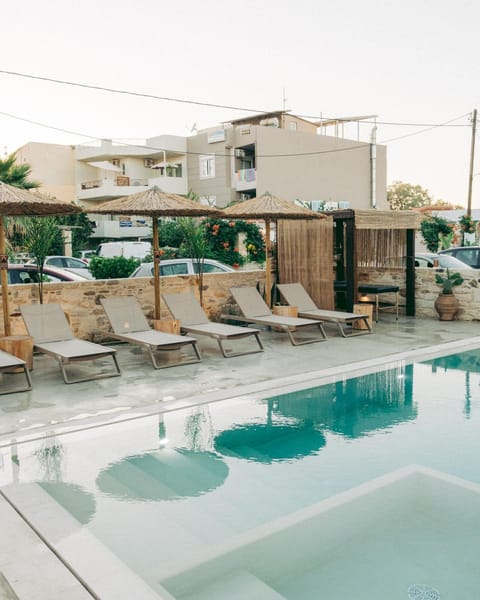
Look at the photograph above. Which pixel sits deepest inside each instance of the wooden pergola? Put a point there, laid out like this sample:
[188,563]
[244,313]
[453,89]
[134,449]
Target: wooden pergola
[320,254]
[373,238]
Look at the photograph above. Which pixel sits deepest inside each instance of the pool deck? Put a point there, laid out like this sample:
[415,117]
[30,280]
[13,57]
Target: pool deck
[141,390]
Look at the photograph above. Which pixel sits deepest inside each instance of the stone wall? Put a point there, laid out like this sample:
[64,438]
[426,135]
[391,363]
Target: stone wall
[80,300]
[426,291]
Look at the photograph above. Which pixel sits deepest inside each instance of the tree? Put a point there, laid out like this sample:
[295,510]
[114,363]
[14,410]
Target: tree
[81,231]
[404,196]
[433,229]
[16,175]
[40,236]
[196,244]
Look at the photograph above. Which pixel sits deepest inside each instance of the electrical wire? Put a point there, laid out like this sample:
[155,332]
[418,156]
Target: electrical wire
[206,104]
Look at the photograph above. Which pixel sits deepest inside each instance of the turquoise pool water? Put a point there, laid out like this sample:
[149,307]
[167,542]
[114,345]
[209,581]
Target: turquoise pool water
[178,502]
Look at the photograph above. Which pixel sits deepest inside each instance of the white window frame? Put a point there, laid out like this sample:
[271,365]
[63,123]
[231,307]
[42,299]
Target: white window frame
[206,164]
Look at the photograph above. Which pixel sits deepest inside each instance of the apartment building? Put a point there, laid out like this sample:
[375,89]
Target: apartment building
[53,166]
[287,156]
[277,152]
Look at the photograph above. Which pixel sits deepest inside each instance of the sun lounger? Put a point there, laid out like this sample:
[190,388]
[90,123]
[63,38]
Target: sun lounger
[52,335]
[130,325]
[187,309]
[296,295]
[12,364]
[255,310]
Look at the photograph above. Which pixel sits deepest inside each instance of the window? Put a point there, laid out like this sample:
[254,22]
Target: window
[208,268]
[176,269]
[292,126]
[207,166]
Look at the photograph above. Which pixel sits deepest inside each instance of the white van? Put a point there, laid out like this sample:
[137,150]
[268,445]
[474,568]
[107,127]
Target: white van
[127,249]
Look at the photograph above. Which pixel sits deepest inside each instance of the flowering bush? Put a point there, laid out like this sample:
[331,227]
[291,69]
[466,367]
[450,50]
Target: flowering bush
[223,240]
[467,224]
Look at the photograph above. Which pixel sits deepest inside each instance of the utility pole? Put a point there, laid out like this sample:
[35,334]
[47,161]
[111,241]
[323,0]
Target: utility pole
[472,157]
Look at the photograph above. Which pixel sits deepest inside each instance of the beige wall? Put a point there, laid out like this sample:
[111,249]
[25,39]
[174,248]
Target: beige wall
[329,176]
[219,186]
[53,166]
[80,300]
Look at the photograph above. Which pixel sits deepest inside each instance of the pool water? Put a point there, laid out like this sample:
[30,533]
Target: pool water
[365,487]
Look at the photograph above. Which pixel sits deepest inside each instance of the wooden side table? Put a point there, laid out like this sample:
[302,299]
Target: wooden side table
[20,346]
[364,308]
[167,325]
[284,311]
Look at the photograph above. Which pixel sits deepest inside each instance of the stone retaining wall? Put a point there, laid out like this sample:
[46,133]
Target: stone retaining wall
[426,291]
[80,300]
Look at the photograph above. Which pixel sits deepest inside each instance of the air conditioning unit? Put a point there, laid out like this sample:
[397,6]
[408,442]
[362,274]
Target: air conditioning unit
[239,152]
[244,197]
[115,162]
[148,162]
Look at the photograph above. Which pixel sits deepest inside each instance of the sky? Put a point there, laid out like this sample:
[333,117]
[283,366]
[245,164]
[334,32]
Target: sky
[413,63]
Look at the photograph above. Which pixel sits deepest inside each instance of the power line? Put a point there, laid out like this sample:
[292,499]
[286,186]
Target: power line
[206,104]
[145,147]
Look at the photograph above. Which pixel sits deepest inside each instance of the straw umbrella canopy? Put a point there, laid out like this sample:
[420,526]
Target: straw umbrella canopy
[154,203]
[16,201]
[268,208]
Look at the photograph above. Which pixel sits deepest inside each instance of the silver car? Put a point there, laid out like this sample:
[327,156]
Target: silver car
[68,263]
[181,266]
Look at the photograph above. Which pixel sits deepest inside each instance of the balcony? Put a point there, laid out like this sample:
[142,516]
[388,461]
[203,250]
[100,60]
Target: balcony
[245,179]
[152,147]
[122,185]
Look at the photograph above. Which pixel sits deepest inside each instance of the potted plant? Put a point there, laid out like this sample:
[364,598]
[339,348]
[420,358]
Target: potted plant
[447,303]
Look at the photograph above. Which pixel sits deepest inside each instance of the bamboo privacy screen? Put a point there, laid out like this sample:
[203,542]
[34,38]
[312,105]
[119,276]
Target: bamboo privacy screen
[305,255]
[380,247]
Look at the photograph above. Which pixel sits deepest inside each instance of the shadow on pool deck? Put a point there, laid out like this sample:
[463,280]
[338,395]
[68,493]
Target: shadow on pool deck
[141,388]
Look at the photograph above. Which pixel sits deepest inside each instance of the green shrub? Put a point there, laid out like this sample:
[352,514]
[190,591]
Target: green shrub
[112,268]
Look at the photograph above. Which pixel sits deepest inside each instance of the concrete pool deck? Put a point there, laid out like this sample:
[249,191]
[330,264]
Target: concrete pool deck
[54,406]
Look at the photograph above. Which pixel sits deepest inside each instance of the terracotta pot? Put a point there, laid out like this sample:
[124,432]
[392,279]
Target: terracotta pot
[446,306]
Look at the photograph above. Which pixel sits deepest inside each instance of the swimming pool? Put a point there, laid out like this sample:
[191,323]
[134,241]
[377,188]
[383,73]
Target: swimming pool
[365,487]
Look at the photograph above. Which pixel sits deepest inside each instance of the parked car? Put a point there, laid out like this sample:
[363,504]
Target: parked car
[30,274]
[181,266]
[444,261]
[76,265]
[431,260]
[86,255]
[132,249]
[470,255]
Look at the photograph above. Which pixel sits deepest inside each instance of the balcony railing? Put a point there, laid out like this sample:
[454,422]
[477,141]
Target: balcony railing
[246,179]
[122,185]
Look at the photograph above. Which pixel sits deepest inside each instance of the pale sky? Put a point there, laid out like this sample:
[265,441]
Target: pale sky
[409,62]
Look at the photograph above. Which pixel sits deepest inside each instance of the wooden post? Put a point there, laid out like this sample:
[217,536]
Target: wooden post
[4,281]
[268,273]
[156,267]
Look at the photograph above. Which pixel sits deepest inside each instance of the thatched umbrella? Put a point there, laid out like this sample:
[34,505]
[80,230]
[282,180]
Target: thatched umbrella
[16,201]
[269,208]
[154,203]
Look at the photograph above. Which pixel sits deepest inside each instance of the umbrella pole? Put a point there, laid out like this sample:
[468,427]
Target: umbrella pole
[268,272]
[156,267]
[4,280]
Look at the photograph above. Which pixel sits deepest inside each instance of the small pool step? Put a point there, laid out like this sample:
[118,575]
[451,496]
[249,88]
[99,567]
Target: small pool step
[235,585]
